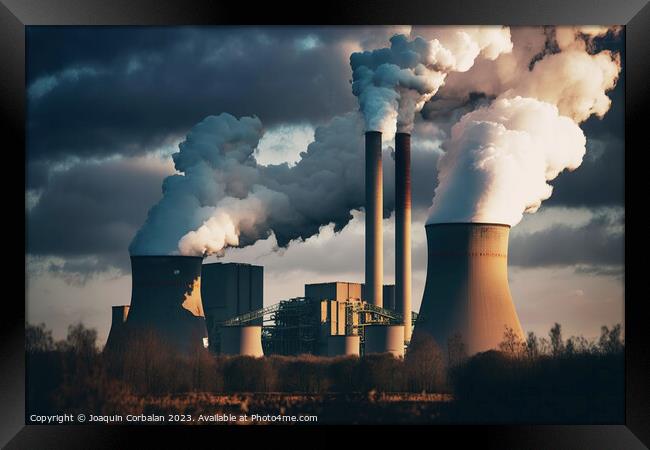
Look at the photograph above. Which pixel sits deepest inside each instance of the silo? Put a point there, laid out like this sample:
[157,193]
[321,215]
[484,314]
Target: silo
[343,345]
[374,211]
[466,296]
[242,341]
[384,339]
[166,299]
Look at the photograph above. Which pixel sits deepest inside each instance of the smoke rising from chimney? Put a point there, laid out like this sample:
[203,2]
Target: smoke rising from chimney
[394,83]
[221,196]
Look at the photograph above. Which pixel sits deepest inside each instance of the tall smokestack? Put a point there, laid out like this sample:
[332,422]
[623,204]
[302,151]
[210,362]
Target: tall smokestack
[403,229]
[466,294]
[374,209]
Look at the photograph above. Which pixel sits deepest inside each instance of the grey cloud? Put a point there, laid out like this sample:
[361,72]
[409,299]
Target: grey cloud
[595,246]
[92,211]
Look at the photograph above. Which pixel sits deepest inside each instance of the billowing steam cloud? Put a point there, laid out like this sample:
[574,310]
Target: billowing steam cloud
[500,157]
[514,138]
[224,198]
[394,83]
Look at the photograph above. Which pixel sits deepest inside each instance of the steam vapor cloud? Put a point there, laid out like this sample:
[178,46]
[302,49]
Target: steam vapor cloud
[223,197]
[499,156]
[394,83]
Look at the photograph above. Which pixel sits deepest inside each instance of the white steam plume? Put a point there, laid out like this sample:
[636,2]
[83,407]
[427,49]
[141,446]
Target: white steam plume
[394,83]
[500,157]
[222,197]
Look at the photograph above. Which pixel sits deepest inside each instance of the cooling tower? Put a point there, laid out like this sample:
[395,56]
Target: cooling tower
[242,340]
[166,299]
[118,326]
[374,210]
[343,346]
[384,339]
[403,229]
[466,293]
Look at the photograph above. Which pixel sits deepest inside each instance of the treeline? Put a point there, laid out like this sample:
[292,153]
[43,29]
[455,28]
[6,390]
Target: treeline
[536,380]
[543,380]
[73,375]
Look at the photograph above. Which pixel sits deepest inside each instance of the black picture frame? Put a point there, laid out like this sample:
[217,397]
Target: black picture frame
[634,14]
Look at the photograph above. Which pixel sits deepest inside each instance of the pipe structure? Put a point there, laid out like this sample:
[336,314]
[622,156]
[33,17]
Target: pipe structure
[374,210]
[467,303]
[403,229]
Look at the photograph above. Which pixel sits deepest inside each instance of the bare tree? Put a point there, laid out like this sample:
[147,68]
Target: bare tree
[532,346]
[512,345]
[557,344]
[610,340]
[38,338]
[456,350]
[81,340]
[424,364]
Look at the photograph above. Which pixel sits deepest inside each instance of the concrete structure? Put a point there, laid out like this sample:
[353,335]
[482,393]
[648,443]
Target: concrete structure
[241,340]
[343,345]
[166,299]
[118,326]
[336,290]
[403,229]
[229,290]
[374,210]
[466,293]
[385,339]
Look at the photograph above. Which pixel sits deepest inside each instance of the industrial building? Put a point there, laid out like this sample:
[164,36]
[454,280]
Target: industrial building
[222,305]
[229,290]
[331,319]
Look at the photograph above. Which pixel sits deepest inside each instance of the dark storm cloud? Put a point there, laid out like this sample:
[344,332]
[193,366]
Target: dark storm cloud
[599,181]
[37,173]
[593,247]
[90,213]
[103,91]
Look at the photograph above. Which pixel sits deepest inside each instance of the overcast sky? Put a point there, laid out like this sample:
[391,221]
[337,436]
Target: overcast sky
[108,106]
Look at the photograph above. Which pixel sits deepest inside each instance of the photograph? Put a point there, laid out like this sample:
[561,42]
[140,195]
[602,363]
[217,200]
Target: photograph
[325,224]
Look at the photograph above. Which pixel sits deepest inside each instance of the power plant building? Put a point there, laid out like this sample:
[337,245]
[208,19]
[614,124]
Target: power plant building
[229,290]
[466,297]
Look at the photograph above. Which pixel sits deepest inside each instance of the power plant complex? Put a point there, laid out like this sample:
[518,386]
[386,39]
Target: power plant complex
[189,304]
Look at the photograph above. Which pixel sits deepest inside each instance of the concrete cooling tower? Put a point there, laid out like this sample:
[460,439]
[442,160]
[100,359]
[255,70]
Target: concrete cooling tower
[166,299]
[466,291]
[117,332]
